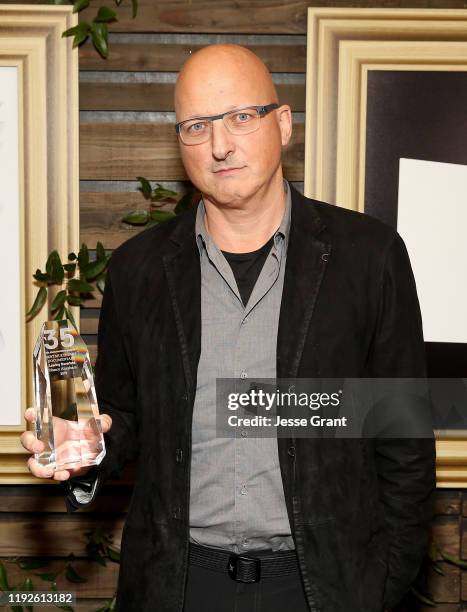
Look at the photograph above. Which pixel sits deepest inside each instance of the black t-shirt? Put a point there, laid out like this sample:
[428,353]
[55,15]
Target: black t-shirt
[246,267]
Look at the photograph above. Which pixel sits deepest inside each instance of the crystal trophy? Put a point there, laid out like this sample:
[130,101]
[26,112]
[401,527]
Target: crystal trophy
[67,416]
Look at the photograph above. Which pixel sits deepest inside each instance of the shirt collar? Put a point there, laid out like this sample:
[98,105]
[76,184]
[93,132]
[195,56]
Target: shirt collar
[282,232]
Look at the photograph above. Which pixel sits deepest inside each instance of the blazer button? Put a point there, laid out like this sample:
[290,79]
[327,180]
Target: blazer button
[185,397]
[291,451]
[177,512]
[179,455]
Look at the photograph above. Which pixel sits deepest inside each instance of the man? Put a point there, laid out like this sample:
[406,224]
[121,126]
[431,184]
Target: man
[257,281]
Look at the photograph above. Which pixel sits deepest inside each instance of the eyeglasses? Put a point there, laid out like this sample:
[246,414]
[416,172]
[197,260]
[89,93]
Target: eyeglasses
[240,121]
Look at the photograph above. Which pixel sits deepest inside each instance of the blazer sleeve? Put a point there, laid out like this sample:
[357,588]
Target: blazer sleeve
[405,467]
[116,396]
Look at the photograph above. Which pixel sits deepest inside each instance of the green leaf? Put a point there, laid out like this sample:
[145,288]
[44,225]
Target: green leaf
[54,267]
[76,284]
[161,215]
[83,256]
[27,563]
[100,251]
[38,302]
[60,314]
[80,33]
[423,598]
[145,186]
[59,300]
[104,15]
[72,575]
[4,586]
[161,193]
[113,554]
[134,5]
[71,318]
[453,560]
[437,569]
[136,217]
[100,38]
[48,576]
[79,5]
[95,268]
[100,283]
[27,586]
[75,300]
[70,267]
[41,276]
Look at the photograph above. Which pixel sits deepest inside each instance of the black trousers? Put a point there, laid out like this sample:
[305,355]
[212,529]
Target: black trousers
[211,591]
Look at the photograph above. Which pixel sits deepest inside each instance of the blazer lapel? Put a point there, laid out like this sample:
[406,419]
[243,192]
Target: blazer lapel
[307,258]
[183,272]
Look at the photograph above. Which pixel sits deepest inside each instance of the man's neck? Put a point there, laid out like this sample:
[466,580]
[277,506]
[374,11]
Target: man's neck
[242,229]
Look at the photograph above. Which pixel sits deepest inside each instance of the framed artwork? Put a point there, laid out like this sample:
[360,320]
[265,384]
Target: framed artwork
[385,134]
[39,193]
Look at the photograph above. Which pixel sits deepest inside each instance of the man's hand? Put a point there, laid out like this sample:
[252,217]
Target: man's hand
[32,444]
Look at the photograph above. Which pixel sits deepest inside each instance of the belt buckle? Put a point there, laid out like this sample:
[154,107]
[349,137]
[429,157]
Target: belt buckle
[244,569]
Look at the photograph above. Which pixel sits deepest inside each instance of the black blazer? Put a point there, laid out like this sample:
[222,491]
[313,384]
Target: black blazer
[360,510]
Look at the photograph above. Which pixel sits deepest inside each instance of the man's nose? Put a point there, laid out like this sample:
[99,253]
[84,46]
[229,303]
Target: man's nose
[221,140]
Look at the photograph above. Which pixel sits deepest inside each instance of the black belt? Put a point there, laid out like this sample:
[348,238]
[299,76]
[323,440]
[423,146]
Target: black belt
[245,568]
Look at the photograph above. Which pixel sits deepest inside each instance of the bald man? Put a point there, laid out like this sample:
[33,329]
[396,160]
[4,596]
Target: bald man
[256,281]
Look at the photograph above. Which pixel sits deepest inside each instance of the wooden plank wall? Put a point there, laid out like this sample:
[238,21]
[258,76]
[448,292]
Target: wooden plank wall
[126,130]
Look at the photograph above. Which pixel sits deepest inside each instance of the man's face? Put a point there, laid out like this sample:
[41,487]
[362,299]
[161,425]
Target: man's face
[230,168]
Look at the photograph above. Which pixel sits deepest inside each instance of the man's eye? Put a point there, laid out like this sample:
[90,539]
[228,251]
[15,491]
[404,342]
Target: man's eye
[197,127]
[242,117]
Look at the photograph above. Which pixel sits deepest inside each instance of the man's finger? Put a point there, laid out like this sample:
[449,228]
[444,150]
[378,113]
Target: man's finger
[30,442]
[30,414]
[61,475]
[39,470]
[106,422]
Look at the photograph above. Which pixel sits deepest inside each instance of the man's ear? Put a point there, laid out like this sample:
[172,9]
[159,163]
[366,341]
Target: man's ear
[284,114]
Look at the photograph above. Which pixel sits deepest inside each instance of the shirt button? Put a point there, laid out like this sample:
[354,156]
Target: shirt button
[243,490]
[179,455]
[245,544]
[244,433]
[243,374]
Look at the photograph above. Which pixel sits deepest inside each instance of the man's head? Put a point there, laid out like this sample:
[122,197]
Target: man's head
[220,78]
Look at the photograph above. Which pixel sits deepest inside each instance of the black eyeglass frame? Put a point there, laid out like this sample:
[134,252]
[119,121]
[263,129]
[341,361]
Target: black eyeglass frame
[261,110]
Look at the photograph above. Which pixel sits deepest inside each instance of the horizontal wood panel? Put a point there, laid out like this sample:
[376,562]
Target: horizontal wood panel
[252,16]
[22,535]
[169,57]
[100,581]
[159,96]
[123,151]
[237,16]
[101,217]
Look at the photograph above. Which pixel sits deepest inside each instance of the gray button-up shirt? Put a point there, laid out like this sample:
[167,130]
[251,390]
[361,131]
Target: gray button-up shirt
[237,498]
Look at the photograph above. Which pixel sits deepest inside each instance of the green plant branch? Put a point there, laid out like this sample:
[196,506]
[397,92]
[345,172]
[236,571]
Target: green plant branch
[98,28]
[81,277]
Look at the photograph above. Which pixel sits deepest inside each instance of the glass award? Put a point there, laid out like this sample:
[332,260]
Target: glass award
[67,416]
